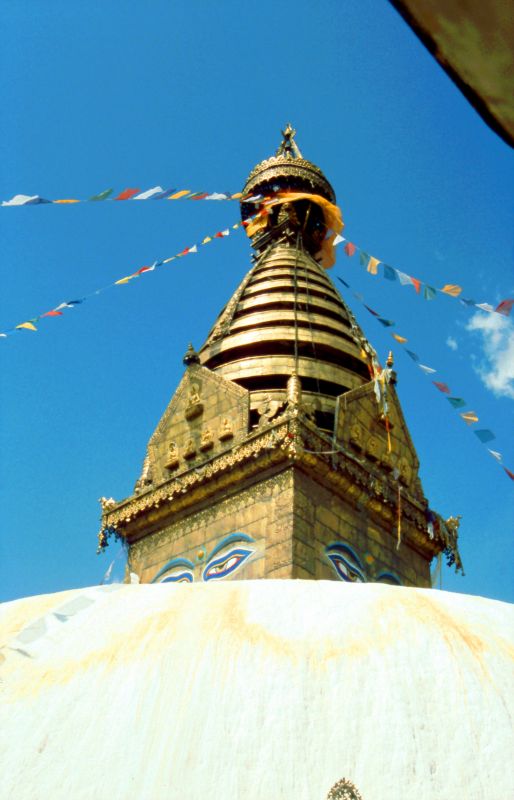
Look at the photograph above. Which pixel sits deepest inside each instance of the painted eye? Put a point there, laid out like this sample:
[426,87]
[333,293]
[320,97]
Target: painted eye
[178,570]
[346,571]
[224,565]
[388,577]
[346,563]
[178,577]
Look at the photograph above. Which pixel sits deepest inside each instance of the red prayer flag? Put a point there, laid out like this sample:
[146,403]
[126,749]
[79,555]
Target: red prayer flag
[349,249]
[509,473]
[505,307]
[416,283]
[52,313]
[200,196]
[127,194]
[143,269]
[442,387]
[218,235]
[184,252]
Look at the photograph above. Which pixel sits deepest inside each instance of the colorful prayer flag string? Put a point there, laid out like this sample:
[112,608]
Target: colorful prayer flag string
[371,265]
[30,324]
[156,193]
[484,435]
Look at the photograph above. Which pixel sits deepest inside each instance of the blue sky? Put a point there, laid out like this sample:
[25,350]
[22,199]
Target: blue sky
[192,95]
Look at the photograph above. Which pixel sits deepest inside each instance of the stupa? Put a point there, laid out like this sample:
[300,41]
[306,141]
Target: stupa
[283,454]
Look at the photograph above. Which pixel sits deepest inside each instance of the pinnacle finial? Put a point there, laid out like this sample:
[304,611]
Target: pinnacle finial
[191,356]
[390,359]
[288,146]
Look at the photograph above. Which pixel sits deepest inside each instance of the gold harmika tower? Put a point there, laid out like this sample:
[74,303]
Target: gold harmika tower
[284,452]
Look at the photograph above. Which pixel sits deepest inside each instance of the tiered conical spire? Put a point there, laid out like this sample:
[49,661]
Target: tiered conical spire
[287,317]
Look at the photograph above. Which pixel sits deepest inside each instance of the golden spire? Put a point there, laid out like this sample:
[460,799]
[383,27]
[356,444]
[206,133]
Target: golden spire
[288,146]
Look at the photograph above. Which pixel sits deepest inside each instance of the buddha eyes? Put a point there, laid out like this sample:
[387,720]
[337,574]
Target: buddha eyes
[226,564]
[346,564]
[178,577]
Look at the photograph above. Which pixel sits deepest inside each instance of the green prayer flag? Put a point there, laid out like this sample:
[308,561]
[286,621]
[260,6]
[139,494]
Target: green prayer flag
[429,292]
[364,258]
[456,402]
[103,195]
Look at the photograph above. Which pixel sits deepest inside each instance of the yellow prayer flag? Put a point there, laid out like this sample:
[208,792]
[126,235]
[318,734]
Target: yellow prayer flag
[123,280]
[469,417]
[66,201]
[399,338]
[167,260]
[452,289]
[373,265]
[207,240]
[236,225]
[180,194]
[236,195]
[27,325]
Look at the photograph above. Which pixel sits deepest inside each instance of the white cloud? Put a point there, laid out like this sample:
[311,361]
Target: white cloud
[495,364]
[452,343]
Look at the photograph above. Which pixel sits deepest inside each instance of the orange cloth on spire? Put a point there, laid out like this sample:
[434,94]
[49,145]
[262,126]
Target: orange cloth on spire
[331,213]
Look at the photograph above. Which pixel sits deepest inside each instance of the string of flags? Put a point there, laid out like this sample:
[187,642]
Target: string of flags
[31,324]
[156,193]
[484,435]
[372,264]
[367,261]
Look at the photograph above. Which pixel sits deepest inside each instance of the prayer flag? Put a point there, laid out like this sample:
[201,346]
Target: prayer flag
[149,193]
[466,301]
[167,260]
[484,435]
[469,417]
[3,335]
[180,194]
[387,323]
[404,278]
[52,313]
[496,455]
[509,473]
[399,338]
[505,307]
[427,370]
[389,273]
[25,200]
[27,325]
[456,402]
[416,284]
[193,249]
[68,200]
[485,307]
[338,240]
[373,265]
[349,249]
[364,258]
[102,196]
[234,227]
[127,194]
[217,196]
[236,196]
[370,310]
[412,355]
[123,280]
[145,269]
[429,292]
[443,387]
[358,297]
[198,196]
[343,282]
[207,239]
[452,289]
[73,302]
[164,195]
